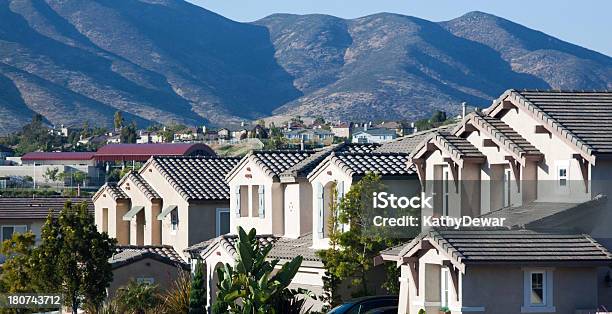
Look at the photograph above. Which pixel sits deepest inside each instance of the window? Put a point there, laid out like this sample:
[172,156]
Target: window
[562,174]
[444,286]
[145,280]
[537,288]
[9,230]
[222,221]
[174,220]
[445,191]
[538,291]
[507,190]
[255,201]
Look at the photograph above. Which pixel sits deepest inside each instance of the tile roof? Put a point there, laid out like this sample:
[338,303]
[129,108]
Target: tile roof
[282,248]
[536,212]
[288,248]
[228,243]
[407,144]
[582,117]
[514,246]
[385,164]
[36,208]
[131,253]
[275,162]
[457,146]
[305,166]
[504,134]
[142,185]
[197,178]
[113,190]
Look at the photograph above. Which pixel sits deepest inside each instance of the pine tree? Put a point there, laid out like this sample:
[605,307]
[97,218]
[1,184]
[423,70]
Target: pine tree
[197,295]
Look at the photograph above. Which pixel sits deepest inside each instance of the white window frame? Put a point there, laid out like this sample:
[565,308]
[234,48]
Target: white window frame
[547,286]
[507,188]
[562,165]
[446,177]
[25,227]
[174,226]
[218,219]
[145,280]
[444,287]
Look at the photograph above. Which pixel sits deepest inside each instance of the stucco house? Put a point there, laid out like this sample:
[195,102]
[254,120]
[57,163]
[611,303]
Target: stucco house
[499,271]
[537,159]
[23,214]
[159,265]
[174,200]
[283,214]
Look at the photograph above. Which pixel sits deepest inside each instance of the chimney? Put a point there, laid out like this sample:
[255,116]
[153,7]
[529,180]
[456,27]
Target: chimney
[463,109]
[301,143]
[242,123]
[365,126]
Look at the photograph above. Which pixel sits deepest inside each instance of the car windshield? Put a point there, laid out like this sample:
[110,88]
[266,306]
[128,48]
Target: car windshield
[340,308]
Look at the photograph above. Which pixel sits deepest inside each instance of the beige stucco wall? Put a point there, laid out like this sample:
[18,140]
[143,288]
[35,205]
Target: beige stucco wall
[117,227]
[325,176]
[197,219]
[251,175]
[163,274]
[555,150]
[152,208]
[298,208]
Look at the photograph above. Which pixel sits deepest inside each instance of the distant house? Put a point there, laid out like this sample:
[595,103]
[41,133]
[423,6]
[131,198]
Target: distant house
[188,135]
[224,133]
[114,139]
[373,135]
[5,152]
[258,132]
[309,135]
[149,137]
[341,129]
[18,215]
[35,164]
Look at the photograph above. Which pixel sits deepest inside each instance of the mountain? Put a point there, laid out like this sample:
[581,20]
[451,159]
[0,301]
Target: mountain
[170,61]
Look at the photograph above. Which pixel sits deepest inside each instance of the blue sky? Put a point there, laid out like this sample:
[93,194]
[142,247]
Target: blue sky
[586,23]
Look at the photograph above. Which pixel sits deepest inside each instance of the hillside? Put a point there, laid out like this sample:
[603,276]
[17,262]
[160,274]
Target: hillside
[170,61]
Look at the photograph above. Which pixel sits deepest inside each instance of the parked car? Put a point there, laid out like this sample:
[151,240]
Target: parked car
[383,310]
[365,304]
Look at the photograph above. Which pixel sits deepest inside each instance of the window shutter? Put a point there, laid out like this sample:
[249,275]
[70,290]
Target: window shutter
[237,204]
[262,201]
[320,221]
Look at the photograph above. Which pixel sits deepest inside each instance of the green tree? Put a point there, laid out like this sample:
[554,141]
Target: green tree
[79,177]
[197,296]
[73,257]
[249,286]
[137,298]
[18,273]
[51,174]
[118,120]
[128,134]
[351,254]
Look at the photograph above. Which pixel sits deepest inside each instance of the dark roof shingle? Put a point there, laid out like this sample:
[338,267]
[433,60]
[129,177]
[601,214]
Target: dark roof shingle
[515,246]
[197,178]
[132,253]
[36,208]
[385,164]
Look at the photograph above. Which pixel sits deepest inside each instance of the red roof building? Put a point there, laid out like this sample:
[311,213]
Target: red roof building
[44,156]
[142,152]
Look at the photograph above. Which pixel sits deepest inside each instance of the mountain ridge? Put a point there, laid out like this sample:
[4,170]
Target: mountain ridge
[174,62]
